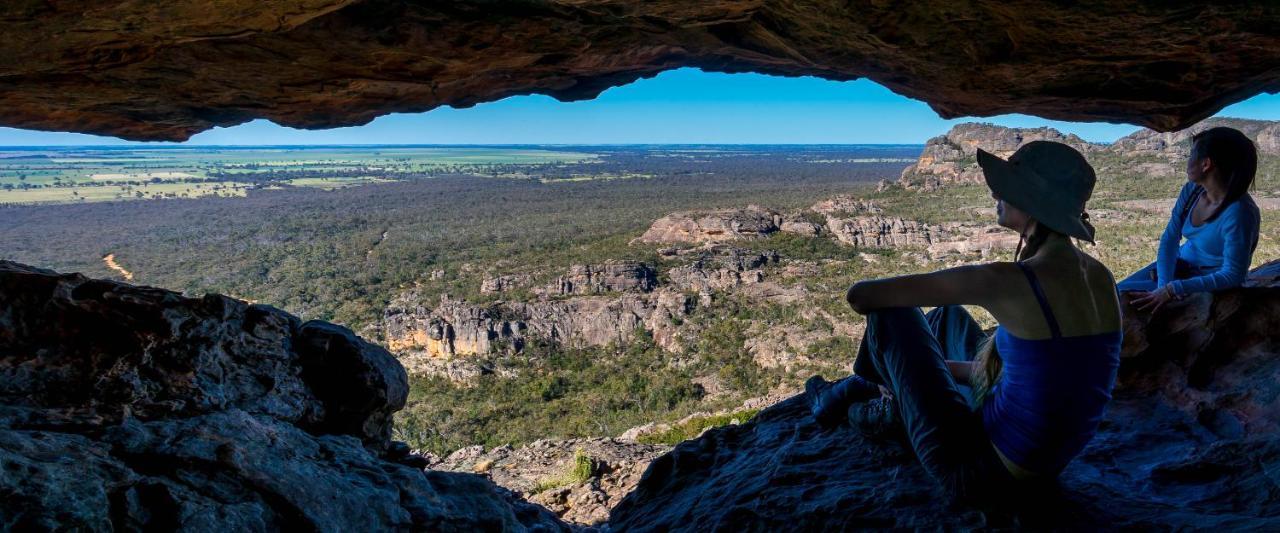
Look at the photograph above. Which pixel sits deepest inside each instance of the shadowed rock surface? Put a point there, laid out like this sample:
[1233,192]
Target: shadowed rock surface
[1189,441]
[166,70]
[543,472]
[126,407]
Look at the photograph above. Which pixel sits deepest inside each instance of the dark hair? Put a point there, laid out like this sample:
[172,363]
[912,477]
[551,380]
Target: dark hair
[1235,157]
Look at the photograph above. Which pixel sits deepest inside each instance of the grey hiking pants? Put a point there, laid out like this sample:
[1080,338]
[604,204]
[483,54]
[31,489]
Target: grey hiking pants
[906,351]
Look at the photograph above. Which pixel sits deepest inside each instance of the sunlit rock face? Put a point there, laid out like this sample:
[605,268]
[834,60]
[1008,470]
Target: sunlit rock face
[1188,442]
[166,70]
[952,157]
[132,408]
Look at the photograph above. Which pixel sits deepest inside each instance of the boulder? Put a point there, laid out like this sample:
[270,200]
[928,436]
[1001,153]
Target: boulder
[1189,441]
[125,407]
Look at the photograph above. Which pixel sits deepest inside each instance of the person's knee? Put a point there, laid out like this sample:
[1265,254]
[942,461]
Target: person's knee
[891,316]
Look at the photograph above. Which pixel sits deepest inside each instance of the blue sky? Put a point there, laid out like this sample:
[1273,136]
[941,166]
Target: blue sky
[679,106]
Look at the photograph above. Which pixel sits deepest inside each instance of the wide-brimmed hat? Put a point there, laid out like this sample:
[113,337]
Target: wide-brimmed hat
[1048,180]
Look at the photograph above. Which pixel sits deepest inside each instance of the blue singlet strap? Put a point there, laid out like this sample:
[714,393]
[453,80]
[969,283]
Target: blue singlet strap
[1044,302]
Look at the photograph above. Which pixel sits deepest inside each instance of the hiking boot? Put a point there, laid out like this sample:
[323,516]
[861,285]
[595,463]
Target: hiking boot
[828,400]
[875,418]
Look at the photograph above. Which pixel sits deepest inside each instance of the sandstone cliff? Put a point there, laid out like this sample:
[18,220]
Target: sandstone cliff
[952,157]
[132,408]
[427,338]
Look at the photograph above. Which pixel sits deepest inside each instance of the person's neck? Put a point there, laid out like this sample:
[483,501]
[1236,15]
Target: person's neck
[1214,190]
[1054,244]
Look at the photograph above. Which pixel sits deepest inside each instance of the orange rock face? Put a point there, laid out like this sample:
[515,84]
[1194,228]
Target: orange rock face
[166,70]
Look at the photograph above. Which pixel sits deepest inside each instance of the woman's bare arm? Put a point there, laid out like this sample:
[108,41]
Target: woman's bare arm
[967,285]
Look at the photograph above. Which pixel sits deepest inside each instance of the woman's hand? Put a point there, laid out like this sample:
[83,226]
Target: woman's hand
[1152,301]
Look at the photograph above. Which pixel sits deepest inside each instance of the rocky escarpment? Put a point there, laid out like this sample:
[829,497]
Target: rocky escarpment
[1188,441]
[950,158]
[713,226]
[1177,145]
[848,220]
[126,407]
[166,70]
[614,276]
[596,305]
[430,339]
[589,306]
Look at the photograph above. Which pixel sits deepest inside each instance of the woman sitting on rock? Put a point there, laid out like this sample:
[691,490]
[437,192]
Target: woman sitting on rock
[1041,381]
[1217,216]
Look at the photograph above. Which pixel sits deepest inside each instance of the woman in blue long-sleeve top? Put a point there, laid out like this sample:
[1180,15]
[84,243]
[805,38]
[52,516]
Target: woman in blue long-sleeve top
[1217,217]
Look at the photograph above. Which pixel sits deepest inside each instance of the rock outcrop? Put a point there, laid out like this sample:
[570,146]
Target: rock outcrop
[166,70]
[617,276]
[425,337]
[883,232]
[1188,442]
[952,157]
[1176,144]
[721,268]
[713,226]
[125,407]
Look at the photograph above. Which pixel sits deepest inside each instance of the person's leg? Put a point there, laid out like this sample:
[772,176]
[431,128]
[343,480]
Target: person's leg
[863,366]
[957,332]
[1143,280]
[945,433]
[959,335]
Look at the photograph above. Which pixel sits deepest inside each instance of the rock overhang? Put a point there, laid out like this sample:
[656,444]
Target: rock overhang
[165,71]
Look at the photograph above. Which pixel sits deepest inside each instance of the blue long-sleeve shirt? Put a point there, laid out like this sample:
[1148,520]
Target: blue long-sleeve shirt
[1224,245]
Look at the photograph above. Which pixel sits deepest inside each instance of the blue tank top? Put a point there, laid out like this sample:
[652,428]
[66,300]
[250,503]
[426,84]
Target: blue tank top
[1051,393]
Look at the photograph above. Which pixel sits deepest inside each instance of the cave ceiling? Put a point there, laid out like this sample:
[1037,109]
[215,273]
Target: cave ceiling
[165,70]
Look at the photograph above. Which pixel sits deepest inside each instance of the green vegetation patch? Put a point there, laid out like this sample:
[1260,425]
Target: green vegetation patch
[579,470]
[696,426]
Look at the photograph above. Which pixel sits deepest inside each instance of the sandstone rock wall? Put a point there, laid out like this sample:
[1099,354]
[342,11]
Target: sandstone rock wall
[456,328]
[617,276]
